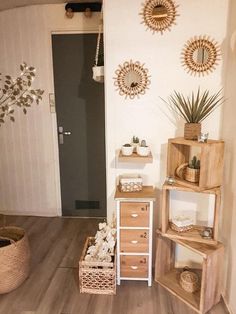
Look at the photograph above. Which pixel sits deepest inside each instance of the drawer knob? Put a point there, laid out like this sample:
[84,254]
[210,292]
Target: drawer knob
[134,267]
[134,215]
[134,241]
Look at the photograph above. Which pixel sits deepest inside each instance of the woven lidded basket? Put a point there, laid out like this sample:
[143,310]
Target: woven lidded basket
[96,277]
[192,131]
[189,281]
[14,258]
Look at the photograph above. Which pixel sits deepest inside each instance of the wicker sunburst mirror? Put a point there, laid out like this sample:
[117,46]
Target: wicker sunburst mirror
[159,15]
[200,55]
[132,79]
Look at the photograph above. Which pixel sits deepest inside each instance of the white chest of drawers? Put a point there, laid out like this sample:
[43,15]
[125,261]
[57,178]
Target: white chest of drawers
[134,234]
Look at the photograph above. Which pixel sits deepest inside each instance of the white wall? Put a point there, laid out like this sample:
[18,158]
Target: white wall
[29,161]
[228,226]
[29,180]
[126,38]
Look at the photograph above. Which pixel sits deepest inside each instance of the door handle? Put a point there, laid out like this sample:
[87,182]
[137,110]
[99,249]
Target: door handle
[61,133]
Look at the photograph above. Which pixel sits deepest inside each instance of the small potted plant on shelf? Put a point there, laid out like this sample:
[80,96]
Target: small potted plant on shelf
[194,109]
[143,149]
[135,143]
[127,150]
[189,171]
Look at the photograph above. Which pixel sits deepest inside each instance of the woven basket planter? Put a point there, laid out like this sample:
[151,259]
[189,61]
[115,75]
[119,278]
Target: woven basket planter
[192,175]
[14,259]
[187,173]
[192,131]
[96,277]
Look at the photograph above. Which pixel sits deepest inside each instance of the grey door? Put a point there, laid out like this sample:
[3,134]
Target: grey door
[81,119]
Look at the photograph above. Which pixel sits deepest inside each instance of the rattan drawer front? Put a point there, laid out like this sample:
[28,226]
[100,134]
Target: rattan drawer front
[134,214]
[134,241]
[134,266]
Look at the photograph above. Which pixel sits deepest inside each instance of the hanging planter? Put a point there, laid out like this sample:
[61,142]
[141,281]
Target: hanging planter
[98,68]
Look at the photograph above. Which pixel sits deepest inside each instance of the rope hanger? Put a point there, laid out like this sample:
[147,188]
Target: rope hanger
[98,70]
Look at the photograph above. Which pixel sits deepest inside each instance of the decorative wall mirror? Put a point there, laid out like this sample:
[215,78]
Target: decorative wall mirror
[131,79]
[200,55]
[159,15]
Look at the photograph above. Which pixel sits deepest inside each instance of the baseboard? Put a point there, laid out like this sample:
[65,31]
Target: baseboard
[31,213]
[227,305]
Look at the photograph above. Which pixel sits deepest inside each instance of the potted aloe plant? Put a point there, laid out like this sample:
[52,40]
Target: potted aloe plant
[194,109]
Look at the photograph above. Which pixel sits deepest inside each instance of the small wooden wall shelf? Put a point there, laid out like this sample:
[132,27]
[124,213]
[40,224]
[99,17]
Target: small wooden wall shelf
[135,158]
[211,158]
[210,273]
[195,233]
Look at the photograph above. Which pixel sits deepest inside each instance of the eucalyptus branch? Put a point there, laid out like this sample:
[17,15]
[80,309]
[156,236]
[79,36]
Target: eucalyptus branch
[18,92]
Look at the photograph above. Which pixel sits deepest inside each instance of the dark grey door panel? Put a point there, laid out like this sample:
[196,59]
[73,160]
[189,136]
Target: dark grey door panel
[80,112]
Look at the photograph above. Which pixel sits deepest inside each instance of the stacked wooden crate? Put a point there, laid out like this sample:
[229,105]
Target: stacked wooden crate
[209,249]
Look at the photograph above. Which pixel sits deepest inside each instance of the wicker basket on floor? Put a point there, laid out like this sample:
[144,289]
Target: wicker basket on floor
[14,258]
[96,277]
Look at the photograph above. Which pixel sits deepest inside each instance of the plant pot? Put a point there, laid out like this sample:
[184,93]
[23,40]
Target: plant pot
[98,73]
[127,150]
[192,131]
[187,173]
[192,175]
[143,150]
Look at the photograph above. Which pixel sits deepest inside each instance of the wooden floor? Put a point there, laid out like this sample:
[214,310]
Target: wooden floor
[52,288]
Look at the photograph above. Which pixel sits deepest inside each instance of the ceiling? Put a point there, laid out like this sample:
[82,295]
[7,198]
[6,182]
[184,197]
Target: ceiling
[9,4]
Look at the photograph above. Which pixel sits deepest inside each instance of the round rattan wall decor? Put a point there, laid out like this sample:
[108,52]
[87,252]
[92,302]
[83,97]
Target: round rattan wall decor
[200,55]
[159,15]
[132,79]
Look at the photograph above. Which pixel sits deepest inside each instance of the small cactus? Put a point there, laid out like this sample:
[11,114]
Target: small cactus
[143,143]
[194,163]
[135,140]
[127,145]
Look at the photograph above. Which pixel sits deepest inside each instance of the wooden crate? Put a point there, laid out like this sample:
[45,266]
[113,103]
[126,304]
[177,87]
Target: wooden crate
[211,158]
[195,233]
[210,273]
[96,277]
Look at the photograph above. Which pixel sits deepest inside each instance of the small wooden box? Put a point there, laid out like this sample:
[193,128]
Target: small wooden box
[211,159]
[195,233]
[96,277]
[168,276]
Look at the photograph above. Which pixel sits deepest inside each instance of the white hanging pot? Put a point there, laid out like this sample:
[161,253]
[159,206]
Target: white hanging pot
[98,73]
